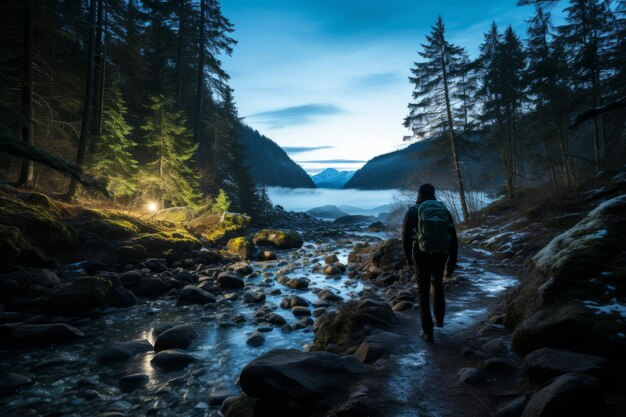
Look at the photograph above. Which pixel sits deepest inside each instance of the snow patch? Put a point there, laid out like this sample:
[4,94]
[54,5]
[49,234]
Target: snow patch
[614,308]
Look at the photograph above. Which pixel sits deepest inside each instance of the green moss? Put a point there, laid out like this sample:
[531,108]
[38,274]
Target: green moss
[131,252]
[278,239]
[40,222]
[230,225]
[241,246]
[113,228]
[178,240]
[176,215]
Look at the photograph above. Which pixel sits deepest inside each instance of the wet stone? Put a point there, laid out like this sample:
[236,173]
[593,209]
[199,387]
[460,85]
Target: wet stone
[132,382]
[300,311]
[11,382]
[180,337]
[256,339]
[172,359]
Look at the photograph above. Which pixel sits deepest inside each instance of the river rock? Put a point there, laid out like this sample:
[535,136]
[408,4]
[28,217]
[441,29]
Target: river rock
[278,239]
[545,364]
[334,269]
[572,395]
[157,265]
[266,255]
[513,408]
[297,283]
[149,287]
[241,246]
[172,359]
[253,297]
[190,294]
[44,334]
[403,305]
[180,337]
[122,297]
[229,280]
[469,375]
[276,319]
[288,375]
[132,382]
[9,383]
[293,301]
[241,268]
[123,351]
[256,339]
[329,295]
[330,259]
[377,345]
[299,311]
[130,278]
[389,256]
[78,296]
[219,394]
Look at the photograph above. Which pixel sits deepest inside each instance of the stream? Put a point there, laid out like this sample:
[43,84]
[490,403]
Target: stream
[70,382]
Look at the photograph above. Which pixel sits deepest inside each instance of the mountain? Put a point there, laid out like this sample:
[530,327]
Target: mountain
[269,164]
[387,208]
[331,178]
[417,162]
[327,212]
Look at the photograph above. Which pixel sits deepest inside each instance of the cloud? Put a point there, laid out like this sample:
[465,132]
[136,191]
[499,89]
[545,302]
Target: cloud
[332,161]
[376,80]
[302,149]
[295,115]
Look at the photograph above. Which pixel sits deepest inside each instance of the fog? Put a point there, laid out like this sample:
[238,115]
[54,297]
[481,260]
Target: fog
[303,199]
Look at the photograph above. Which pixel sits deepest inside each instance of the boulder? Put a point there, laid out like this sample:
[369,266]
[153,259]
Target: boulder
[121,297]
[298,283]
[172,359]
[351,323]
[242,247]
[300,311]
[190,294]
[130,278]
[157,265]
[130,383]
[547,363]
[287,375]
[122,351]
[377,227]
[389,256]
[572,395]
[514,408]
[78,296]
[293,301]
[329,295]
[330,259]
[278,239]
[469,375]
[256,339]
[377,345]
[253,297]
[177,337]
[149,287]
[44,334]
[229,280]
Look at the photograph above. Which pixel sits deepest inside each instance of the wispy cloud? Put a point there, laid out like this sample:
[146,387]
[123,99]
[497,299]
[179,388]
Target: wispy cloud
[377,80]
[333,161]
[295,115]
[302,149]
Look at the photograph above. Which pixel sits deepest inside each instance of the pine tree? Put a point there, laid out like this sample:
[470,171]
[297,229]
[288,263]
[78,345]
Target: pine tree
[169,177]
[586,36]
[547,79]
[465,96]
[113,157]
[434,80]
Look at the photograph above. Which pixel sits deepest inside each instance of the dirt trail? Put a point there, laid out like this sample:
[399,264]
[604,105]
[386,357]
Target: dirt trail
[420,379]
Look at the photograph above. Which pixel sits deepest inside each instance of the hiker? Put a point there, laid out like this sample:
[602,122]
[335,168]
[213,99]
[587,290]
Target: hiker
[430,245]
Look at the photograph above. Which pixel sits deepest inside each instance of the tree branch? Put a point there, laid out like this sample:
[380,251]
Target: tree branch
[595,111]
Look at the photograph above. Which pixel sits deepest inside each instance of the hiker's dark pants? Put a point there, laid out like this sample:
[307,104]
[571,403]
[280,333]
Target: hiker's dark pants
[429,268]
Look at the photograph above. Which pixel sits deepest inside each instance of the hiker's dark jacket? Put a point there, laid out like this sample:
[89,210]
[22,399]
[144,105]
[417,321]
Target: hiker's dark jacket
[409,227]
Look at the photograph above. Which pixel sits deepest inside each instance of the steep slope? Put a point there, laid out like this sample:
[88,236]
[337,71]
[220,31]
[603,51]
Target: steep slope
[269,164]
[417,162]
[331,178]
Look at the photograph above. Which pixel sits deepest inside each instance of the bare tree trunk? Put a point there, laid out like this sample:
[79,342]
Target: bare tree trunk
[200,81]
[455,155]
[27,170]
[83,140]
[179,54]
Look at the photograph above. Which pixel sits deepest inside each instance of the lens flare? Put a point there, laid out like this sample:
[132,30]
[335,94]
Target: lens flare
[152,207]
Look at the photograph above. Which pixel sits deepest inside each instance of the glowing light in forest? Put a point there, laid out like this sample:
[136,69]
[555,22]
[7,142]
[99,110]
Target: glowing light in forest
[152,207]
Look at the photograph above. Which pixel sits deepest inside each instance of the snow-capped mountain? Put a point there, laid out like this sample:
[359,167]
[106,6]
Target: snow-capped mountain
[331,178]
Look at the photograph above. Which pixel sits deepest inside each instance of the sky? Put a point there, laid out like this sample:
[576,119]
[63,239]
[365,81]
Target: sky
[328,79]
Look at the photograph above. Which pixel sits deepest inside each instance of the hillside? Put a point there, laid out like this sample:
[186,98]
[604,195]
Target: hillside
[416,162]
[269,164]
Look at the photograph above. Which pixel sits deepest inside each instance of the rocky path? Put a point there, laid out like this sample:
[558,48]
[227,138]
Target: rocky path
[450,377]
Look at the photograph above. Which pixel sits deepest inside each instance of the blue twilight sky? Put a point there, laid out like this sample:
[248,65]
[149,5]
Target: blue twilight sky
[327,79]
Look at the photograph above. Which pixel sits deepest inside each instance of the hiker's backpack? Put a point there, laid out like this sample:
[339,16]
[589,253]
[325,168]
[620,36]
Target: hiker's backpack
[433,231]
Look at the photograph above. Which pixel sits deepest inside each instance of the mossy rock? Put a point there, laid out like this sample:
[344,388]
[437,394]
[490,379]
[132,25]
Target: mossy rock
[278,239]
[39,223]
[229,226]
[178,240]
[78,296]
[16,250]
[131,252]
[241,246]
[113,228]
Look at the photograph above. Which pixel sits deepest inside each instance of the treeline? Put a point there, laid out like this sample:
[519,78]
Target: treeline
[132,91]
[522,93]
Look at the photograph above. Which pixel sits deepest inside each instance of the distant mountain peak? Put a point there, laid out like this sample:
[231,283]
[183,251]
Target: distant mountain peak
[332,178]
